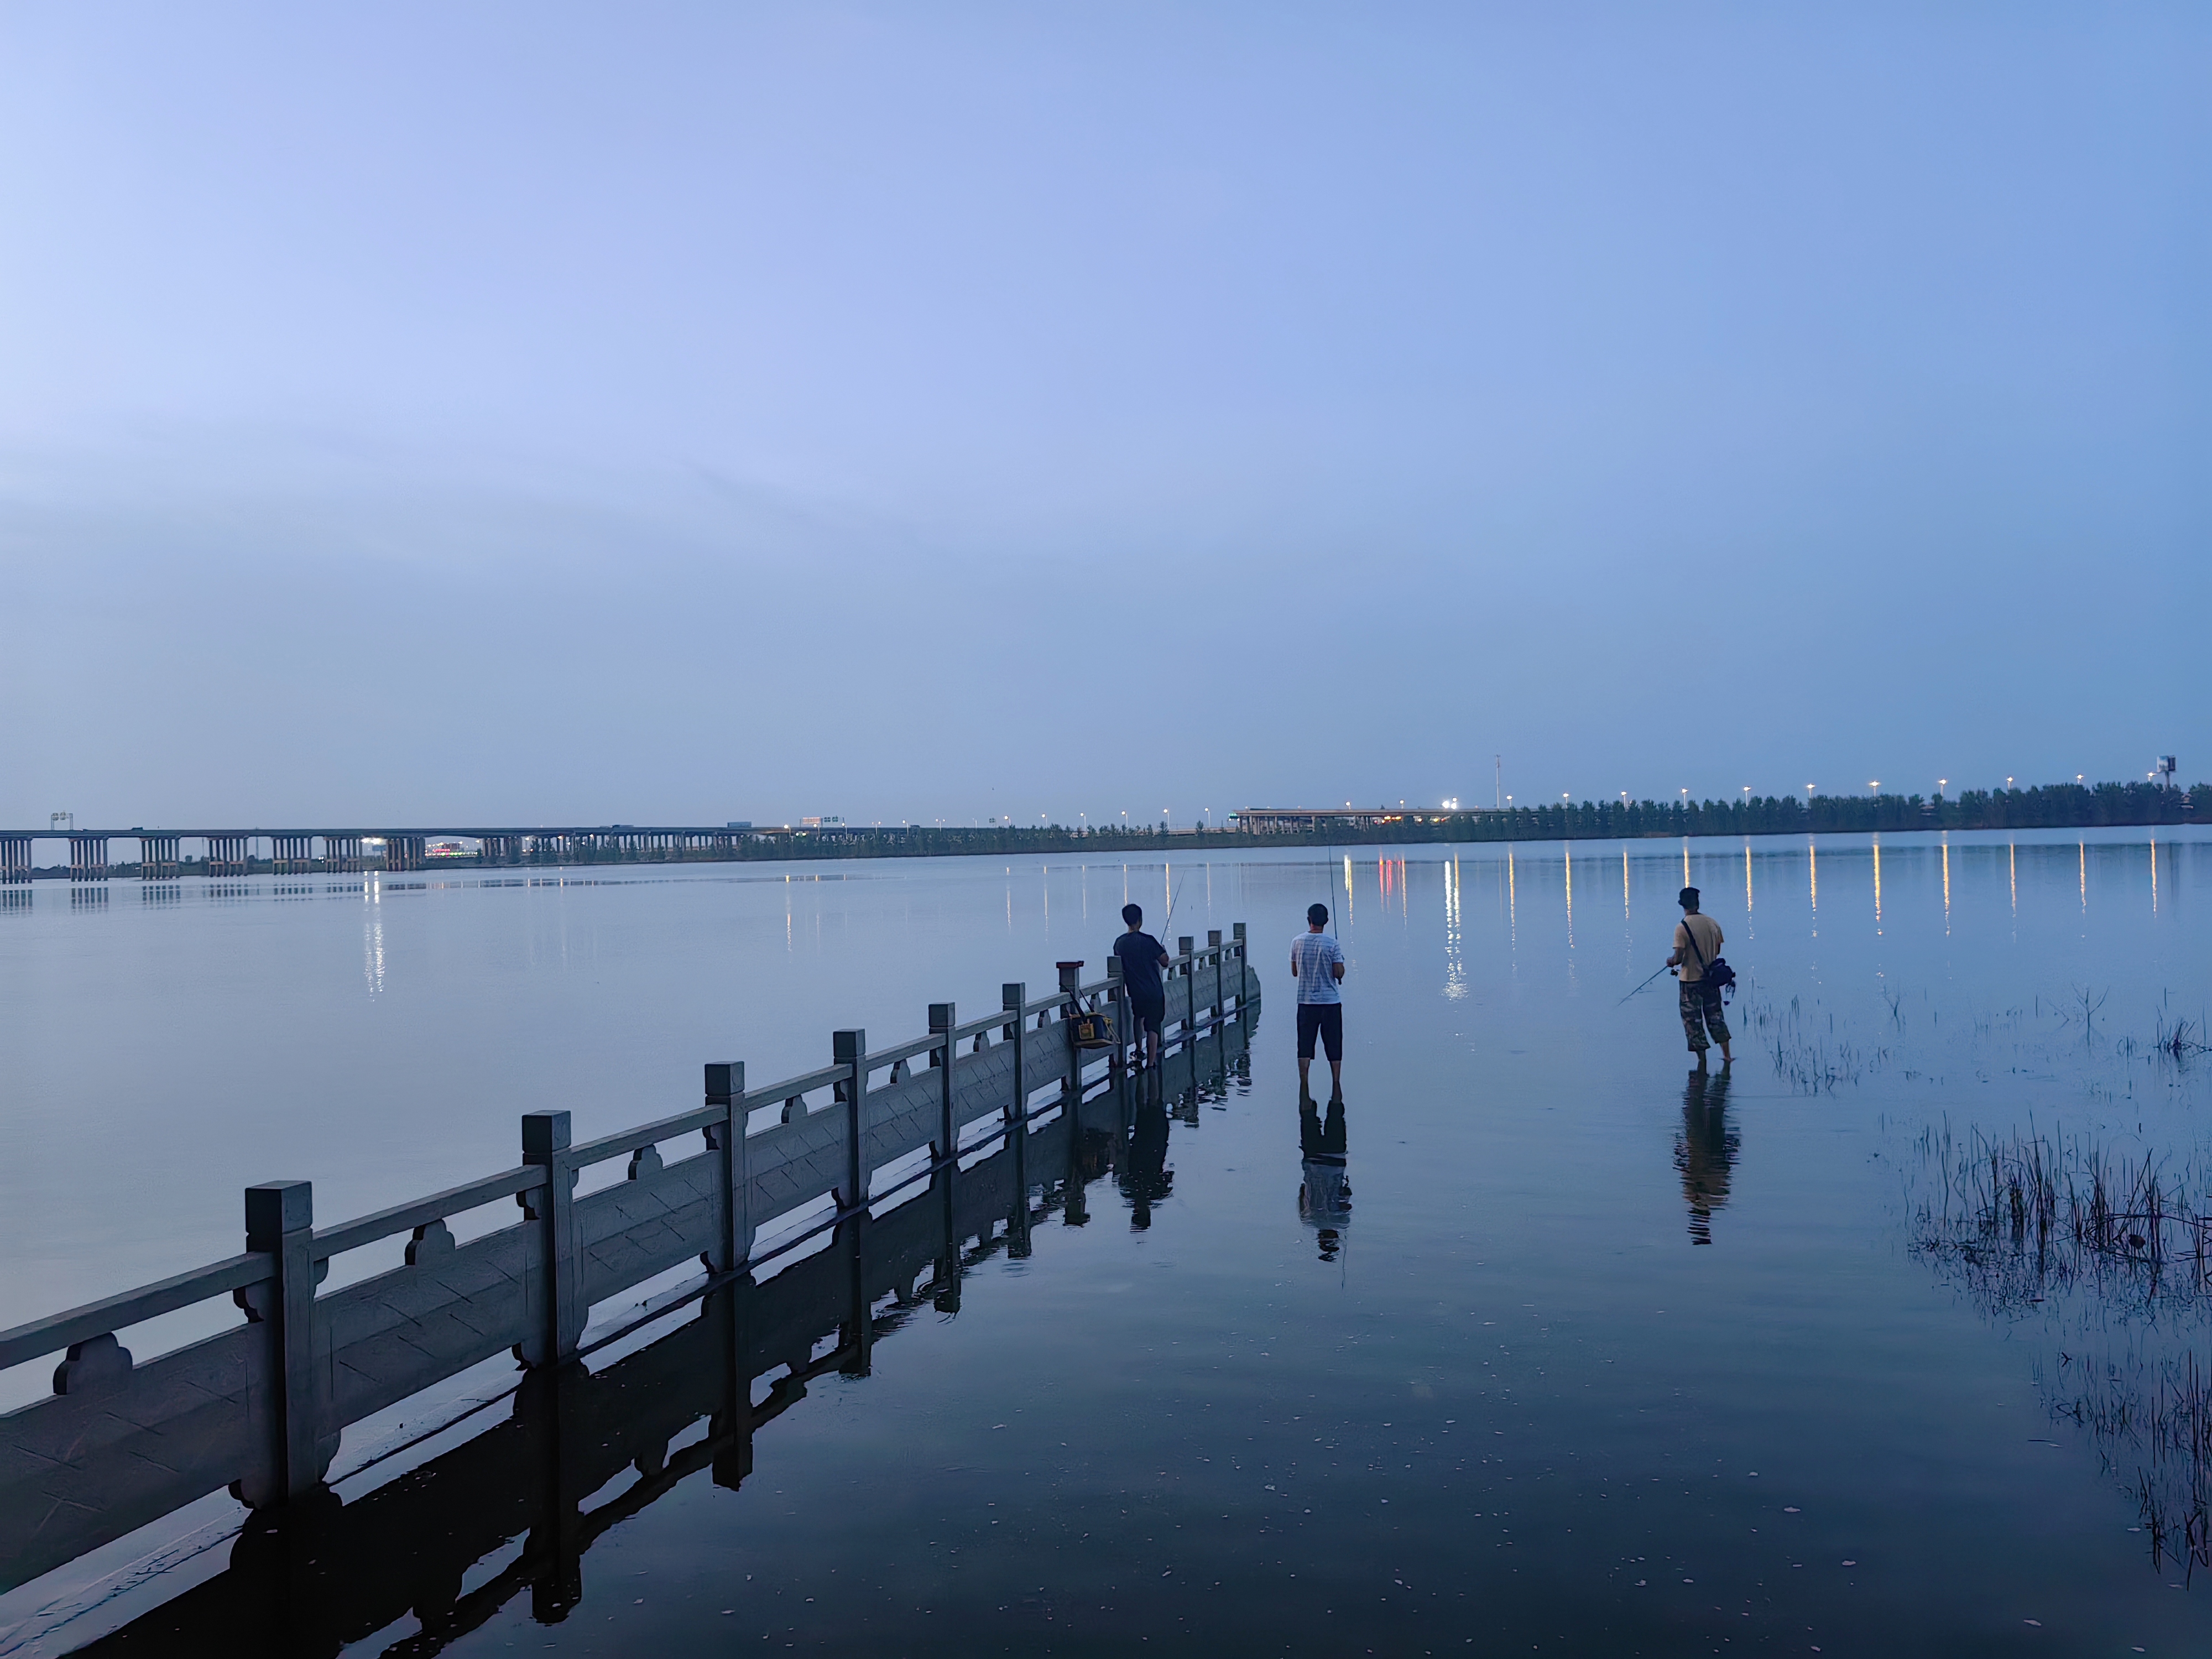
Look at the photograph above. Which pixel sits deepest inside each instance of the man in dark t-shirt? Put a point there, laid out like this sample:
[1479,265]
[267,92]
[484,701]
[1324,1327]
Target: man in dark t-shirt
[1142,956]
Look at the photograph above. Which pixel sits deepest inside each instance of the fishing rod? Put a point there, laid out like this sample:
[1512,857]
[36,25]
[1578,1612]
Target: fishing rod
[1172,896]
[1663,970]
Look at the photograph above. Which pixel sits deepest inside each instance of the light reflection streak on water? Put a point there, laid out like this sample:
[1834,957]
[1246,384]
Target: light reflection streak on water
[1568,847]
[2012,869]
[1455,966]
[1347,890]
[1877,885]
[1623,884]
[1748,932]
[1512,914]
[2154,875]
[2084,850]
[1813,883]
[1947,886]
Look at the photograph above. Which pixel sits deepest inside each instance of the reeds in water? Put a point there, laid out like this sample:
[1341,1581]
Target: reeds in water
[2111,1249]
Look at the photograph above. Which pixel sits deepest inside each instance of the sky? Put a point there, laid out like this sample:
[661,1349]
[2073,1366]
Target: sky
[541,414]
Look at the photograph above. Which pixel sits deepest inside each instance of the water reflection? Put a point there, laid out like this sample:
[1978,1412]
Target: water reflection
[1877,885]
[1947,886]
[1324,1191]
[1705,1150]
[1455,967]
[511,1513]
[2108,1252]
[1145,1178]
[1748,908]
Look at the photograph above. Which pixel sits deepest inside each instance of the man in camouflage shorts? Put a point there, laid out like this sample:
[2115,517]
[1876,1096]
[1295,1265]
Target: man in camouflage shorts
[1697,942]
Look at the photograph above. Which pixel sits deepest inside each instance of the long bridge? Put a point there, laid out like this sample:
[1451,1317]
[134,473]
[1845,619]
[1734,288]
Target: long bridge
[337,850]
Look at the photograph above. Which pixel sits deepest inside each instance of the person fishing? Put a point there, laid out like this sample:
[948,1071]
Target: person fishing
[1317,964]
[1697,956]
[1142,957]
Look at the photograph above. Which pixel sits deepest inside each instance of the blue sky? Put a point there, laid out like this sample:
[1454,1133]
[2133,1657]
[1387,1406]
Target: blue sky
[543,413]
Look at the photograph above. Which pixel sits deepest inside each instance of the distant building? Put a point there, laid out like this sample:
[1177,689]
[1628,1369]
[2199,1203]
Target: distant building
[823,823]
[739,824]
[1309,820]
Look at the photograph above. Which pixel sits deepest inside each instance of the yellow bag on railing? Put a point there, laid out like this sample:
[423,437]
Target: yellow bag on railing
[1093,1030]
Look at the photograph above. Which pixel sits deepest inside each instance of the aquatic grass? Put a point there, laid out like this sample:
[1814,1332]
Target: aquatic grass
[1808,1056]
[2062,1209]
[2111,1249]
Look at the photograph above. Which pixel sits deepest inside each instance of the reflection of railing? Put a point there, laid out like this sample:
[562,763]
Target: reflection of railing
[320,1575]
[259,1407]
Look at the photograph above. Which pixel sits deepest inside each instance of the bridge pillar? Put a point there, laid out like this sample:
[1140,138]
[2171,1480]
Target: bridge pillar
[229,855]
[88,858]
[406,852]
[159,857]
[14,859]
[291,856]
[342,854]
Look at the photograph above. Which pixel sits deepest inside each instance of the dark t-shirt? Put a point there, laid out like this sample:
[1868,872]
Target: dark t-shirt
[1140,955]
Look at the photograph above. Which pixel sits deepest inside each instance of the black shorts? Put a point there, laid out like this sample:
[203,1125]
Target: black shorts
[1324,1020]
[1148,1015]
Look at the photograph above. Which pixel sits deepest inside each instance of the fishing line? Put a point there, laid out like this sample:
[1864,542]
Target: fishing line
[1662,970]
[1172,897]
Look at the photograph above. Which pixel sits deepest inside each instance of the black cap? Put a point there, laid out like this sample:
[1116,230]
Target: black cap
[1687,897]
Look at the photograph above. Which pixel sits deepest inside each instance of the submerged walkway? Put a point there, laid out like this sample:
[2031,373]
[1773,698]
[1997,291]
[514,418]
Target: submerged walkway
[923,1156]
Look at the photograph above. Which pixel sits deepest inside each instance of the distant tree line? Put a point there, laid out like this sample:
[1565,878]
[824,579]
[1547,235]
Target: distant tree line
[2055,807]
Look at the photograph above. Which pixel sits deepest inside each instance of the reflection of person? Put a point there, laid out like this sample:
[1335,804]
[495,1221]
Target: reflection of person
[1324,1193]
[1145,1176]
[1317,964]
[1705,1150]
[1697,942]
[1142,957]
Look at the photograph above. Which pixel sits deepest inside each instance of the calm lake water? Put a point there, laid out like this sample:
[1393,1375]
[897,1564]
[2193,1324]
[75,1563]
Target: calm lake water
[1593,1355]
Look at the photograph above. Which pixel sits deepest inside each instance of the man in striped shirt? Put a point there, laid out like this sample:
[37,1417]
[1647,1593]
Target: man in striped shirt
[1317,964]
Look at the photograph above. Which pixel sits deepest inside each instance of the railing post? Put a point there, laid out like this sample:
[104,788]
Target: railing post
[280,1221]
[942,1019]
[560,1289]
[1115,1001]
[1013,998]
[1071,981]
[850,1050]
[725,1088]
[1213,946]
[1243,962]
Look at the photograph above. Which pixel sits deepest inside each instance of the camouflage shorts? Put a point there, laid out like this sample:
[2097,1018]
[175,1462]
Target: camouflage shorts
[1701,1013]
